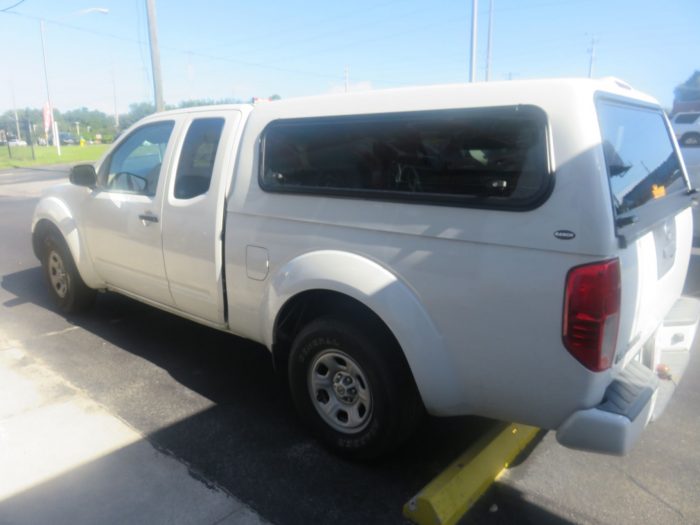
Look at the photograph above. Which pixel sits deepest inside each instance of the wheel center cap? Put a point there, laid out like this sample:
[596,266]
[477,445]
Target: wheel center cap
[345,387]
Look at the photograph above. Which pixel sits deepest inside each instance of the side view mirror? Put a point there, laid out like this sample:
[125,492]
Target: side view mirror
[83,175]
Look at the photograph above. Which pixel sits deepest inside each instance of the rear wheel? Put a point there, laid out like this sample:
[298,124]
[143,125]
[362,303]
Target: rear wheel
[67,289]
[351,385]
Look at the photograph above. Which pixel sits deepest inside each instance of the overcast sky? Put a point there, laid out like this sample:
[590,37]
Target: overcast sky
[236,49]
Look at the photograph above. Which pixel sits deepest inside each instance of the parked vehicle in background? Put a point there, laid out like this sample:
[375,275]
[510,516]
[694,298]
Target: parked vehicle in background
[67,139]
[686,126]
[514,250]
[16,142]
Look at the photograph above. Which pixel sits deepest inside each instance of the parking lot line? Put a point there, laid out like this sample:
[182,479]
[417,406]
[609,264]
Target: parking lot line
[453,492]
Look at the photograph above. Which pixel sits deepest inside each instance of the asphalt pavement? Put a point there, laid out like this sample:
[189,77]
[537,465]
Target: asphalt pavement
[206,409]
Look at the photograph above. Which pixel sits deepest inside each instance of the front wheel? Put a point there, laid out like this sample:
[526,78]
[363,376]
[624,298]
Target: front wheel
[67,289]
[351,385]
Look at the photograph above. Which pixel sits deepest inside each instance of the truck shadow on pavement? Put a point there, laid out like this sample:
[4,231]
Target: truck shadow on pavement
[212,401]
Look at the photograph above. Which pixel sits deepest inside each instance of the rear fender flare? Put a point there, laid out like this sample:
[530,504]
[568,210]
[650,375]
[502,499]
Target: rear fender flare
[389,297]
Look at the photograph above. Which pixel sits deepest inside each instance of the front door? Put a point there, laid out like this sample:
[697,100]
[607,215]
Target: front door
[124,225]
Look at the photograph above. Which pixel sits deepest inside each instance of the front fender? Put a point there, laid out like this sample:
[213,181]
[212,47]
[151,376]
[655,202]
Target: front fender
[388,297]
[57,212]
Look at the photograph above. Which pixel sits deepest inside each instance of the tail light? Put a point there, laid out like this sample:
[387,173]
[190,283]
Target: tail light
[592,313]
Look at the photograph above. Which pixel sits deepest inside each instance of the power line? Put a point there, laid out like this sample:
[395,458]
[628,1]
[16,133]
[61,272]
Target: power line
[335,32]
[12,6]
[353,43]
[293,28]
[70,26]
[179,50]
[257,64]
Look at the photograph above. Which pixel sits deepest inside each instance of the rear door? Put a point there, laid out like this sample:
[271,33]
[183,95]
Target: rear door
[193,214]
[653,220]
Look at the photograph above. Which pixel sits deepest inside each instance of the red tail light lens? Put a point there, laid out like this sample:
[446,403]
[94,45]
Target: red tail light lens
[592,313]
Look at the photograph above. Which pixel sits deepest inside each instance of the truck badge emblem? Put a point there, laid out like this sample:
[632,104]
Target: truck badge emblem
[564,235]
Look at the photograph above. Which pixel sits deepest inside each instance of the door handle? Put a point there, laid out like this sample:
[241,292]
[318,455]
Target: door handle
[147,218]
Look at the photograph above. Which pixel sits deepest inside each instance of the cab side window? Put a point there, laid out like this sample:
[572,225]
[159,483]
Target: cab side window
[196,165]
[134,167]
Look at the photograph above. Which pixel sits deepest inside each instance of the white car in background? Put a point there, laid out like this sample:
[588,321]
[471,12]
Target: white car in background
[686,126]
[691,158]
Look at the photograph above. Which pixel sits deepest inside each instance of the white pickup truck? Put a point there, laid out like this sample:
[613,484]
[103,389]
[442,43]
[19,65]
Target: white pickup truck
[515,250]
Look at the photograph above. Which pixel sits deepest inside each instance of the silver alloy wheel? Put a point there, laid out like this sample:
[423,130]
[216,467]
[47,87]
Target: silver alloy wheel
[340,392]
[57,274]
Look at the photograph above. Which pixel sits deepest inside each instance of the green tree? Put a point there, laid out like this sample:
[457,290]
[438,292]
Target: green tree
[137,111]
[90,122]
[206,102]
[689,90]
[28,115]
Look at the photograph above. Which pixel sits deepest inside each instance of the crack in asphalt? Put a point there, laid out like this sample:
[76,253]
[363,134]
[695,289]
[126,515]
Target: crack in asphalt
[648,491]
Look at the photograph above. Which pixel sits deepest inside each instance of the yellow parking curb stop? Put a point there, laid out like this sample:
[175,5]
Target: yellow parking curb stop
[452,493]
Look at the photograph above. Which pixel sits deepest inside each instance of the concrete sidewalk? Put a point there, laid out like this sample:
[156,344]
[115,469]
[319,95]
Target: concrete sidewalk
[65,460]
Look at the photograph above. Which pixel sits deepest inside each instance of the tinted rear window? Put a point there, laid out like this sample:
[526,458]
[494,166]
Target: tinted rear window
[642,163]
[493,157]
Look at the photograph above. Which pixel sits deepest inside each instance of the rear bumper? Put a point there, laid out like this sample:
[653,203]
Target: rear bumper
[636,396]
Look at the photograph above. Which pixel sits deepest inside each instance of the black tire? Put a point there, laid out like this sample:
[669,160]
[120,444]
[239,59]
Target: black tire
[67,289]
[372,363]
[690,139]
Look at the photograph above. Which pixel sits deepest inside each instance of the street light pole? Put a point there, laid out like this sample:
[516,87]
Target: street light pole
[54,126]
[488,43]
[155,54]
[591,50]
[114,98]
[14,108]
[472,61]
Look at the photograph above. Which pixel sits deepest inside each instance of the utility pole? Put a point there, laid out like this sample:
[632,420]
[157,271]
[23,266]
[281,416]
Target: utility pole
[14,109]
[472,61]
[114,99]
[591,51]
[488,43]
[347,79]
[54,126]
[155,54]
[30,138]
